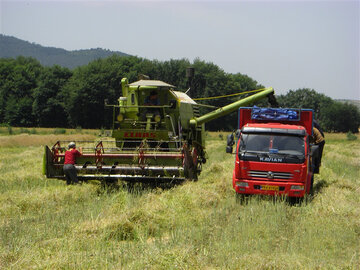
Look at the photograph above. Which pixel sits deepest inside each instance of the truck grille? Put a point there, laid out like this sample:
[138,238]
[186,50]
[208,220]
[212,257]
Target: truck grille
[270,175]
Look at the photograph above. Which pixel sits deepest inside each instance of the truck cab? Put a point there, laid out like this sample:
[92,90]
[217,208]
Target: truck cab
[273,153]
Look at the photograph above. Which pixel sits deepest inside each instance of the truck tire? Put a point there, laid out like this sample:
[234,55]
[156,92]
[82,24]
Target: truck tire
[241,198]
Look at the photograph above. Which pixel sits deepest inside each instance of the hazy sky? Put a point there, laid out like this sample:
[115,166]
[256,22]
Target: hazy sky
[284,44]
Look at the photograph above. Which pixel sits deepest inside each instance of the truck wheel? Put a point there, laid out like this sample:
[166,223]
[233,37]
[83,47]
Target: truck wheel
[241,198]
[295,200]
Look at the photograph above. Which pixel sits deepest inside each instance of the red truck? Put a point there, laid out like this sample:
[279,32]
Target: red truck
[273,153]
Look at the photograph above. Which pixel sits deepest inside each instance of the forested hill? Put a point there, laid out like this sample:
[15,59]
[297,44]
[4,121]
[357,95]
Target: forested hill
[11,47]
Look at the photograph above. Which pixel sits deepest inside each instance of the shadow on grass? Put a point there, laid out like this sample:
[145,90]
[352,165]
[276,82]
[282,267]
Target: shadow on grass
[245,199]
[318,186]
[135,187]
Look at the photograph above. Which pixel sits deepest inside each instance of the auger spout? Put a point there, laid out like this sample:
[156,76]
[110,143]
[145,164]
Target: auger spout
[197,121]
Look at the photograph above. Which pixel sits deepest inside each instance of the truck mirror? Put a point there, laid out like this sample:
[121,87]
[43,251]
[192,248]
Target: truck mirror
[229,149]
[272,100]
[237,133]
[230,140]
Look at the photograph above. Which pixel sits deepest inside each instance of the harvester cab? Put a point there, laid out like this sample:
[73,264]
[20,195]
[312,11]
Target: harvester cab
[159,136]
[151,111]
[153,117]
[141,104]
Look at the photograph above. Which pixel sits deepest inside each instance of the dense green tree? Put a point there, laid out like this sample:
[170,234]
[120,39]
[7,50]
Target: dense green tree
[340,117]
[19,79]
[216,82]
[172,72]
[6,83]
[307,99]
[90,85]
[49,103]
[331,115]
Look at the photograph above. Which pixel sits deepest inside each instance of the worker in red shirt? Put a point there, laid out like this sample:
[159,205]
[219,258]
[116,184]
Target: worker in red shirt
[69,168]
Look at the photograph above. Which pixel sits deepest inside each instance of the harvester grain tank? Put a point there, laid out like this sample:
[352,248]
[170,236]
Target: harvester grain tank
[162,142]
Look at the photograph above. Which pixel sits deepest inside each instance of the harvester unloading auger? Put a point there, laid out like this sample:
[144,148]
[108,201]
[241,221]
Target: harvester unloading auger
[153,143]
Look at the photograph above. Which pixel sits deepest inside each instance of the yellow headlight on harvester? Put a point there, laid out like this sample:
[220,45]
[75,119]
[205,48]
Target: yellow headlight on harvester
[120,117]
[157,118]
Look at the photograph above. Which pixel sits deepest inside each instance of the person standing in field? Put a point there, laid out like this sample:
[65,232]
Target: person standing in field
[318,139]
[69,169]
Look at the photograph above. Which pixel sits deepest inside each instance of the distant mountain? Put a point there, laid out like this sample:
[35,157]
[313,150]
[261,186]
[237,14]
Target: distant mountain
[11,47]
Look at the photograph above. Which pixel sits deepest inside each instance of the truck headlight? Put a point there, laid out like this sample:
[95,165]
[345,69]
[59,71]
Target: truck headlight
[242,184]
[296,187]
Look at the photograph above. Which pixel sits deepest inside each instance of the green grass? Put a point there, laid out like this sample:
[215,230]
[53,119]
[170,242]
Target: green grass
[8,130]
[45,224]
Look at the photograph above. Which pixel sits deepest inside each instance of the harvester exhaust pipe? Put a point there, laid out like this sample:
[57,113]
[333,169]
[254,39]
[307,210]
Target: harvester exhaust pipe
[272,100]
[190,71]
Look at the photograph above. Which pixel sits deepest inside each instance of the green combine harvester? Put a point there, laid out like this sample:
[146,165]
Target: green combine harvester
[159,137]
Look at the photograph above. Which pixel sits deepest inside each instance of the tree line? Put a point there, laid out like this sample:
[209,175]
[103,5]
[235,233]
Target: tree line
[34,95]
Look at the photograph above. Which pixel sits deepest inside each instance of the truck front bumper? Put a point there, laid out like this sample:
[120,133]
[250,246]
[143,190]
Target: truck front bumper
[291,189]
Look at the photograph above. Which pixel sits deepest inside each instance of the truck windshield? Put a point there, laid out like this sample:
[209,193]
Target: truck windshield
[273,143]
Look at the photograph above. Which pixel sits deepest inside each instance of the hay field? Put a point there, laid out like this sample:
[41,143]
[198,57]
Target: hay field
[45,224]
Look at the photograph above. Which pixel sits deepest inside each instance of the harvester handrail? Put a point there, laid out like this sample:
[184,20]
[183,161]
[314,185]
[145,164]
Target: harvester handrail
[141,106]
[231,95]
[111,141]
[96,143]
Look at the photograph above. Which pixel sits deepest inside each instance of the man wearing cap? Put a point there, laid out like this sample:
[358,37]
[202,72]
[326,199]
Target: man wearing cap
[69,168]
